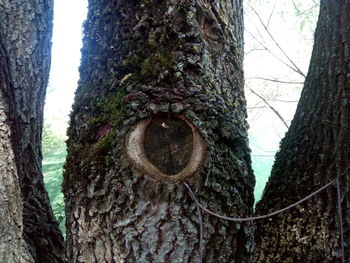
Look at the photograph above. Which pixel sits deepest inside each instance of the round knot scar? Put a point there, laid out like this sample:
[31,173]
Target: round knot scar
[166,147]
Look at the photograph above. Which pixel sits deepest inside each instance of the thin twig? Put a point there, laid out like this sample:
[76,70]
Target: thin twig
[254,49]
[276,43]
[257,107]
[279,81]
[296,8]
[306,10]
[316,3]
[273,9]
[289,101]
[272,108]
[258,31]
[274,55]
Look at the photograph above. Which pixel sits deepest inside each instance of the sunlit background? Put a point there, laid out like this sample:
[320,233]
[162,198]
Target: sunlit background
[66,44]
[278,44]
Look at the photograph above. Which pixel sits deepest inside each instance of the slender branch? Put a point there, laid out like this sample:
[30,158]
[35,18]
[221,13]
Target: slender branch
[316,2]
[291,101]
[258,107]
[262,155]
[296,8]
[254,49]
[272,108]
[272,11]
[306,10]
[276,43]
[279,81]
[258,31]
[268,50]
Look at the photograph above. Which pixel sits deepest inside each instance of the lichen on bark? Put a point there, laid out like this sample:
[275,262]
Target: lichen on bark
[179,57]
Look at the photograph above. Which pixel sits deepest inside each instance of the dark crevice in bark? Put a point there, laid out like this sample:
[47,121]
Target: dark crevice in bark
[24,90]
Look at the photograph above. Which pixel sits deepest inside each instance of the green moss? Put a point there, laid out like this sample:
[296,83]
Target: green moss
[147,62]
[95,156]
[114,104]
[104,105]
[132,61]
[107,109]
[102,147]
[75,152]
[155,64]
[113,113]
[135,58]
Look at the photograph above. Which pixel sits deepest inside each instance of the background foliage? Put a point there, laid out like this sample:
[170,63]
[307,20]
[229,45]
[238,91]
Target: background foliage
[54,153]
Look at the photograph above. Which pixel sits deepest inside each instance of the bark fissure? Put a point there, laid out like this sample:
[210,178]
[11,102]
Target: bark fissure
[158,57]
[314,151]
[25,41]
[13,248]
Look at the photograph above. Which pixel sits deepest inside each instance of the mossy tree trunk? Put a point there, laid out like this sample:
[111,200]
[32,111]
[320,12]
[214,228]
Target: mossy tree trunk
[29,231]
[139,59]
[315,151]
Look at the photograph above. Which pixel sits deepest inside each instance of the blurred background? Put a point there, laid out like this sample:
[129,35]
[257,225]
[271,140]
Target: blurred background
[278,45]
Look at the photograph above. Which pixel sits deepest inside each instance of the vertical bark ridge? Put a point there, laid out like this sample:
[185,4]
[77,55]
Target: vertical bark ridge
[141,58]
[315,150]
[26,29]
[13,248]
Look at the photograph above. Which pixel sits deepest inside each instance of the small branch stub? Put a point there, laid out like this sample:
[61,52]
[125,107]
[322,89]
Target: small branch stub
[166,147]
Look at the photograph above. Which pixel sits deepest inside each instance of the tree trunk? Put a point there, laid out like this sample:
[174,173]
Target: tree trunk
[315,151]
[175,66]
[27,218]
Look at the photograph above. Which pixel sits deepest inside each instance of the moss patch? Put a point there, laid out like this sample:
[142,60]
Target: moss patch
[92,147]
[148,62]
[102,147]
[156,63]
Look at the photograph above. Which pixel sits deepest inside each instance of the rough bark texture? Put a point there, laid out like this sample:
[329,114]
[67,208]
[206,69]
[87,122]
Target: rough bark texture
[315,150]
[141,58]
[25,44]
[12,245]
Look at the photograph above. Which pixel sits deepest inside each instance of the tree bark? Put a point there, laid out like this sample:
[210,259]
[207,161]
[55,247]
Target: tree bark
[25,45]
[315,150]
[13,248]
[146,59]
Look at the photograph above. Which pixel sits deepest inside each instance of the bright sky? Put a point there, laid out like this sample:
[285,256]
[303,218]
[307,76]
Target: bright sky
[291,24]
[67,41]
